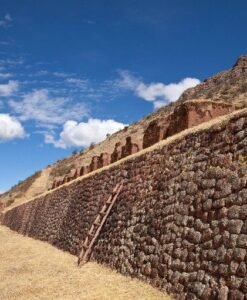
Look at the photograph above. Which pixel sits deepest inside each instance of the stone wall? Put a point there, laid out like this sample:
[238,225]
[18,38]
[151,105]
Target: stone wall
[156,131]
[194,112]
[180,222]
[185,115]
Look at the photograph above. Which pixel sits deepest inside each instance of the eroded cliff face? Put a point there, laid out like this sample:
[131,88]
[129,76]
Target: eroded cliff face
[179,223]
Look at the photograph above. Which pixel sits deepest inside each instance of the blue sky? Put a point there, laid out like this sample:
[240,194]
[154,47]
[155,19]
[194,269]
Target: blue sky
[73,71]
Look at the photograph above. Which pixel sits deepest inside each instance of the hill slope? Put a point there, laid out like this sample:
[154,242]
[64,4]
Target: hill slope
[228,86]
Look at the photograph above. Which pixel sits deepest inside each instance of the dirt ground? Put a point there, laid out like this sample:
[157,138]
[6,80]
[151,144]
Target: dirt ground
[31,269]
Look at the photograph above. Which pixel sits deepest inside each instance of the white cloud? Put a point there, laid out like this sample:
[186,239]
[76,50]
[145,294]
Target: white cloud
[5,75]
[81,83]
[10,128]
[8,89]
[61,74]
[1,192]
[40,106]
[84,133]
[128,81]
[13,62]
[6,21]
[169,92]
[158,93]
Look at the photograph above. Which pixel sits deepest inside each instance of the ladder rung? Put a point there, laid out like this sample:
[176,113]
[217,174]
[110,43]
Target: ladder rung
[104,207]
[92,229]
[99,222]
[98,218]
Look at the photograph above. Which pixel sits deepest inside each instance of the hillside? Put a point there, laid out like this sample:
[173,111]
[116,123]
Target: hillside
[228,86]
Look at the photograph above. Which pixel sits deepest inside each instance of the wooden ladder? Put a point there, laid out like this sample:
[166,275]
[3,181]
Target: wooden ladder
[87,244]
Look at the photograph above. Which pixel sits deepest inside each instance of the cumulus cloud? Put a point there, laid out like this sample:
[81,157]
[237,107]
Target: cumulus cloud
[10,128]
[6,21]
[84,133]
[8,89]
[158,93]
[41,107]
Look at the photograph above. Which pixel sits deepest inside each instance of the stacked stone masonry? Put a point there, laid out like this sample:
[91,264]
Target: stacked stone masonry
[185,115]
[180,222]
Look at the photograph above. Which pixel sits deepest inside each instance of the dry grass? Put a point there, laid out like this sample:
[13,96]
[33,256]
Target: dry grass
[31,269]
[38,187]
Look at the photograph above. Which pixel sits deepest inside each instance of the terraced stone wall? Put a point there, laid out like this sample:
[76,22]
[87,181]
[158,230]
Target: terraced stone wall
[180,222]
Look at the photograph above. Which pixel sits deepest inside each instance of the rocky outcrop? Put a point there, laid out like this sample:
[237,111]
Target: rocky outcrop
[241,64]
[179,223]
[229,86]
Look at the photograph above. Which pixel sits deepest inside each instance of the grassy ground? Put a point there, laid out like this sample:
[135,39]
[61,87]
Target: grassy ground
[31,269]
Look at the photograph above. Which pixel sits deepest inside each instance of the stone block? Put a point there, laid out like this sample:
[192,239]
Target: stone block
[94,165]
[156,131]
[131,146]
[117,153]
[104,160]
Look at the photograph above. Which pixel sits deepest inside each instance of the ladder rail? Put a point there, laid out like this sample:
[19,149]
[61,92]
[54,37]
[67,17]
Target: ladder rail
[85,253]
[98,215]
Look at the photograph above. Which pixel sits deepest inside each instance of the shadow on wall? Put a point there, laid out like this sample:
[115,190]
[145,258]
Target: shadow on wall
[186,115]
